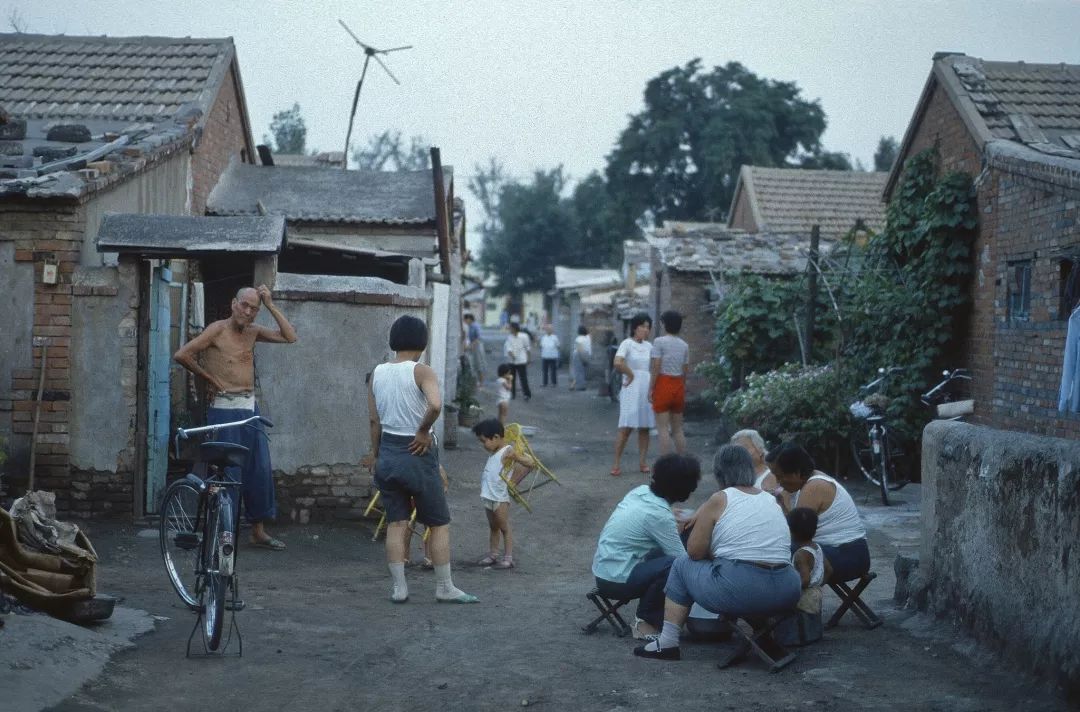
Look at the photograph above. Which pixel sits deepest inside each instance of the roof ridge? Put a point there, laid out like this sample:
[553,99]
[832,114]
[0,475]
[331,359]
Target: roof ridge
[104,39]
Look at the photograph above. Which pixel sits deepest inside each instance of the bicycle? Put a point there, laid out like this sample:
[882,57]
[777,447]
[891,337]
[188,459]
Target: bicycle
[198,532]
[614,377]
[948,397]
[877,452]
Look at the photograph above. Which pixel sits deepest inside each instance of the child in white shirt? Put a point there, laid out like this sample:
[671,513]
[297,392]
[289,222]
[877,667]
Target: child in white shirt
[493,490]
[505,384]
[814,570]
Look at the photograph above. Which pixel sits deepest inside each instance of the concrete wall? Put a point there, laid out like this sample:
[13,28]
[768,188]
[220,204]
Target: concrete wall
[315,390]
[16,326]
[1001,528]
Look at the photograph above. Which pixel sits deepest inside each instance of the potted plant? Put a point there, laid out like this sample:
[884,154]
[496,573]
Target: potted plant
[469,412]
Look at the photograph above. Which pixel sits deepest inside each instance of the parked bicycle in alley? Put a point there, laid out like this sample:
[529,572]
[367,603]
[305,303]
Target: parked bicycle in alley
[198,532]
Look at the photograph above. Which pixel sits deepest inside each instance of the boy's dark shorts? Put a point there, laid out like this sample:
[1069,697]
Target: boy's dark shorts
[405,479]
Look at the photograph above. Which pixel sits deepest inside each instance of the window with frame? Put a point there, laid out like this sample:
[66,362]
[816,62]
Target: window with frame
[1019,290]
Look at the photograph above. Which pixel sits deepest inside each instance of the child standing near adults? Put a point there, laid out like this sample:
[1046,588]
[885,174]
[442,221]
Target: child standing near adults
[668,367]
[505,383]
[494,492]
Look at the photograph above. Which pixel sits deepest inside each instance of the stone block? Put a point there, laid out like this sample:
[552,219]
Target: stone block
[69,133]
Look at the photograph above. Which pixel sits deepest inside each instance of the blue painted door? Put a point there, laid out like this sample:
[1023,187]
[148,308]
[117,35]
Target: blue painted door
[157,446]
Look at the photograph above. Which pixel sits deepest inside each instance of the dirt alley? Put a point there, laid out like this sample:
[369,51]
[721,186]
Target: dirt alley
[320,634]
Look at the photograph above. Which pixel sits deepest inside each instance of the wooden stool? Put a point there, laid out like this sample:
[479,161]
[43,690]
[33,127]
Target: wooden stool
[608,612]
[850,599]
[760,640]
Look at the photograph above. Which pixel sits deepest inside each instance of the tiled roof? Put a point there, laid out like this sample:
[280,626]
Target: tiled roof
[793,200]
[713,247]
[1034,106]
[326,159]
[326,194]
[176,235]
[118,78]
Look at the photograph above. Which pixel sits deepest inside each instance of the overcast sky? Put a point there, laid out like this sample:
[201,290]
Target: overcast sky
[542,83]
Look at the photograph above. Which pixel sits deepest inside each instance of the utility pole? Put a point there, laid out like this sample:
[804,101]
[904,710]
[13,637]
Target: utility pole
[811,296]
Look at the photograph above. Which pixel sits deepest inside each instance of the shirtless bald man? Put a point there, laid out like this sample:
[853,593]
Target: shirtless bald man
[226,349]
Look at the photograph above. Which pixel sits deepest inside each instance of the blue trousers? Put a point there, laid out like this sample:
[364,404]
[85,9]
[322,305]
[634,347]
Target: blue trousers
[256,476]
[645,583]
[733,587]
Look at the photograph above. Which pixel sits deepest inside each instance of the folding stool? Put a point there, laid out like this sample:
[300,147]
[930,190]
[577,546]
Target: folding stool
[608,612]
[760,640]
[850,599]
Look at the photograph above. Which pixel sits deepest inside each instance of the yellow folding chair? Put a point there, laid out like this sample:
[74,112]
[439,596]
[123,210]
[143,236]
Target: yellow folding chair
[380,528]
[539,476]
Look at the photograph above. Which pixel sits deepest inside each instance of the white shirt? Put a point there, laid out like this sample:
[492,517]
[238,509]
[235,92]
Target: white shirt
[751,528]
[492,486]
[549,346]
[583,344]
[400,402]
[840,523]
[517,348]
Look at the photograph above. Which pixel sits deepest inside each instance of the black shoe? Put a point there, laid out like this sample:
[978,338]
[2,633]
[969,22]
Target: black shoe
[528,398]
[661,654]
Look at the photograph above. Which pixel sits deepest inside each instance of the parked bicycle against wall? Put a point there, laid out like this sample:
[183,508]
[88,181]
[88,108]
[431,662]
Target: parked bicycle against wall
[951,399]
[878,451]
[198,532]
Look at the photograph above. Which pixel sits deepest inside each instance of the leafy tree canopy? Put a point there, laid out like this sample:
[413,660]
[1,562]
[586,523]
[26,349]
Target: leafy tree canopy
[389,151]
[679,158]
[885,155]
[289,133]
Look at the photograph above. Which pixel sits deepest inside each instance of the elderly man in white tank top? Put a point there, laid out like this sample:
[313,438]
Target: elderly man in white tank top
[754,444]
[403,403]
[840,531]
[738,556]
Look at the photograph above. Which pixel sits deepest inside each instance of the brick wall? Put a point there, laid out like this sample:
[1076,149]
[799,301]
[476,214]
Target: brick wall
[224,138]
[686,293]
[1016,365]
[43,230]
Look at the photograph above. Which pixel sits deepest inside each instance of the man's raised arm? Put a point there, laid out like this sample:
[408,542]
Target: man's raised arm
[285,333]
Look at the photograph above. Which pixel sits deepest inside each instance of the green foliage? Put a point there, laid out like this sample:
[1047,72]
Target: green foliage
[466,386]
[679,158]
[288,130]
[904,305]
[389,151]
[793,403]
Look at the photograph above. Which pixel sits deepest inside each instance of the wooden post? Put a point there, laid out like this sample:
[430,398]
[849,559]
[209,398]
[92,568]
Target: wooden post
[811,296]
[442,225]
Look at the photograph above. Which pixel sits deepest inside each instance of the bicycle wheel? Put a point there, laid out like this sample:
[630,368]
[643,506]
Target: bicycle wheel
[180,537]
[884,471]
[217,583]
[862,456]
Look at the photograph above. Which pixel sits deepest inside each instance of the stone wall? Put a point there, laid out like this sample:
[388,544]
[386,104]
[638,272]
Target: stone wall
[1000,528]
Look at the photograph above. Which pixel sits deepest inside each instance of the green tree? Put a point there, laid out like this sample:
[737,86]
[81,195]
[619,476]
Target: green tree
[601,226]
[289,134]
[389,151]
[885,155]
[826,160]
[533,227]
[679,158]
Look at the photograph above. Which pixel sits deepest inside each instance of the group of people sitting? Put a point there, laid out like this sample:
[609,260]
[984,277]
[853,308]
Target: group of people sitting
[761,546]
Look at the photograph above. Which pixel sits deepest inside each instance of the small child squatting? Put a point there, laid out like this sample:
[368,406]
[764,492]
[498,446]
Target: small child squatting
[494,492]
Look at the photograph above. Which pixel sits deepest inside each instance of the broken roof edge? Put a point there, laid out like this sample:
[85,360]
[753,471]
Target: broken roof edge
[1021,159]
[360,290]
[189,235]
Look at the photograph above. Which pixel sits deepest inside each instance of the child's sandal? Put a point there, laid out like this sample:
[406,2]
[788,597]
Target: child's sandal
[488,560]
[506,562]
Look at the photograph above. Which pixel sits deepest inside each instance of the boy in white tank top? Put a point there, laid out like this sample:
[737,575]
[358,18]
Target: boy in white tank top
[494,492]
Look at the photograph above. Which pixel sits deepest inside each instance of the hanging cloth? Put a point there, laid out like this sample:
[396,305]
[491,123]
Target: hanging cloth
[1069,396]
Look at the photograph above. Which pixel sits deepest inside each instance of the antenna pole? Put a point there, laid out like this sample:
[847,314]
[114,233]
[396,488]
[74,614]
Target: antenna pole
[352,115]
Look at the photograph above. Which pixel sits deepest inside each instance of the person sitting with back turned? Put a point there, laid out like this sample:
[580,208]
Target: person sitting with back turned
[641,539]
[223,355]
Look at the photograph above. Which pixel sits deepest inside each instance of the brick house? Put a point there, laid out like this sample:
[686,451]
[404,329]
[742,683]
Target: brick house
[690,262]
[572,286]
[1015,129]
[94,125]
[790,201]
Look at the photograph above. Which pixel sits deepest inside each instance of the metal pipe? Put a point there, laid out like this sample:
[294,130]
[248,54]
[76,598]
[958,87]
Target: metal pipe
[37,415]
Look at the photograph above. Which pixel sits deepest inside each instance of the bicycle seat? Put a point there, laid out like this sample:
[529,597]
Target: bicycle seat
[223,454]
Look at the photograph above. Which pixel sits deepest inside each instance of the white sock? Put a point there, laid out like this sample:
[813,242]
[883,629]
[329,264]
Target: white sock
[669,638]
[444,585]
[401,589]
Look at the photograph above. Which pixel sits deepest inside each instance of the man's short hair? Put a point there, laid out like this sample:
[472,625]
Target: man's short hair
[639,319]
[791,458]
[733,467]
[672,321]
[408,333]
[802,521]
[582,331]
[489,428]
[503,369]
[675,477]
[753,436]
[240,292]
[515,327]
[468,317]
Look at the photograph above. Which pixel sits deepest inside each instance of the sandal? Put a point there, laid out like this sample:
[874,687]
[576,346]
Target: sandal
[270,543]
[488,560]
[507,562]
[615,472]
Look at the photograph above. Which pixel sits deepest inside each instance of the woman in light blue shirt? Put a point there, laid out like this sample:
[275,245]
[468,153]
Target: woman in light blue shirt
[641,539]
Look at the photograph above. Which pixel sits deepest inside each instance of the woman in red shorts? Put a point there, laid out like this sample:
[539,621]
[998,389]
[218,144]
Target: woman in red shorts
[669,365]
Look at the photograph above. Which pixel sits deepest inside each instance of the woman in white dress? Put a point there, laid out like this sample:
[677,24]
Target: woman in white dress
[635,411]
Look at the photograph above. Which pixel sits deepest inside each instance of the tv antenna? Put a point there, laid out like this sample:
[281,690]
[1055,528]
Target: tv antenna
[369,54]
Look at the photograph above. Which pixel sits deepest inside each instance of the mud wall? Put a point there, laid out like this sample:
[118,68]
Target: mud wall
[1001,543]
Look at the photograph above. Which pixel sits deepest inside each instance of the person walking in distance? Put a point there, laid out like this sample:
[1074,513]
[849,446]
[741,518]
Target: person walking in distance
[223,355]
[549,354]
[474,346]
[404,401]
[517,349]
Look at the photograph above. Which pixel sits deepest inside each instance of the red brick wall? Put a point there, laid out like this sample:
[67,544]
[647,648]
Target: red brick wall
[1016,367]
[224,137]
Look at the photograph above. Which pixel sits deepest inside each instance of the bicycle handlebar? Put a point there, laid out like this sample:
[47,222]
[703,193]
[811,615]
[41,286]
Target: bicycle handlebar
[950,376]
[185,433]
[883,374]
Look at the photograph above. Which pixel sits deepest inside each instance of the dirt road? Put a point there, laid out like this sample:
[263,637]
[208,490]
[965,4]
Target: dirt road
[320,634]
